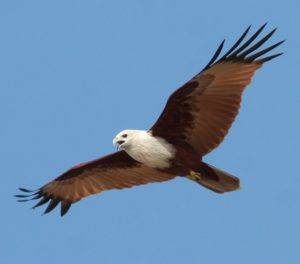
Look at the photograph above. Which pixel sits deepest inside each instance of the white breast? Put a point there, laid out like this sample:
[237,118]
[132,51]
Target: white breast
[152,151]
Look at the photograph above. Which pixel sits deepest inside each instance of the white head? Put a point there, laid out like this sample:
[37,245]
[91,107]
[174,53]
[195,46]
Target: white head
[124,138]
[143,147]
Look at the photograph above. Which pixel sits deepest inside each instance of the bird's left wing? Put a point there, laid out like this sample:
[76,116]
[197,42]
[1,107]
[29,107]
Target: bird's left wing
[115,171]
[200,113]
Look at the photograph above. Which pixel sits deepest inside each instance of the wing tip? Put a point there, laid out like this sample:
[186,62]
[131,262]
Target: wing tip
[263,60]
[26,190]
[239,53]
[36,194]
[65,206]
[215,56]
[26,197]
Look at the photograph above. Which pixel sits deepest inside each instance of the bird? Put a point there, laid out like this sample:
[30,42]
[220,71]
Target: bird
[195,120]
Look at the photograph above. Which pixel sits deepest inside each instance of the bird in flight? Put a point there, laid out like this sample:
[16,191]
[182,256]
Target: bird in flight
[195,120]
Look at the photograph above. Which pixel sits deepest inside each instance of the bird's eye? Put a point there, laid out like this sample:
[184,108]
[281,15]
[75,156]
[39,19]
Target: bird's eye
[124,136]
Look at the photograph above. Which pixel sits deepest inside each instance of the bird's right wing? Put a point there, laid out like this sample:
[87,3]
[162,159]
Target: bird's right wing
[115,171]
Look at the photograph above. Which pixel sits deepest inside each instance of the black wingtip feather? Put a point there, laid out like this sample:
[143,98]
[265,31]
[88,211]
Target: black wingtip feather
[239,53]
[264,51]
[37,194]
[216,55]
[26,190]
[248,42]
[65,206]
[236,44]
[24,200]
[52,205]
[263,60]
[27,197]
[257,45]
[41,202]
[21,196]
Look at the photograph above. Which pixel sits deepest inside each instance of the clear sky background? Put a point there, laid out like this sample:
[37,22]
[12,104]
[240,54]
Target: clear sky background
[75,73]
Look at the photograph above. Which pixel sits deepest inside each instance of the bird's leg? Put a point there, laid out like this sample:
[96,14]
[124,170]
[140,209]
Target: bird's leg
[194,176]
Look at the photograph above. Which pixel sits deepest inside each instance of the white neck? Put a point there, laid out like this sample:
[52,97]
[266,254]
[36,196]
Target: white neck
[152,151]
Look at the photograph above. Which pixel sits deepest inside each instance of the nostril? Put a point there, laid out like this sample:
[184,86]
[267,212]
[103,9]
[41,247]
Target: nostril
[120,142]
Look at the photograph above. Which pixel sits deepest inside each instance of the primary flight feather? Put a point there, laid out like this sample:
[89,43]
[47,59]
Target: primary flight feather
[195,120]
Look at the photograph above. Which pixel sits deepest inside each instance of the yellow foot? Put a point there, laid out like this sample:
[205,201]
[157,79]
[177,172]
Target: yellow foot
[194,176]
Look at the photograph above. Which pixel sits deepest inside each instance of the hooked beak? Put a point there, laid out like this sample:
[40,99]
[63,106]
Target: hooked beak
[118,142]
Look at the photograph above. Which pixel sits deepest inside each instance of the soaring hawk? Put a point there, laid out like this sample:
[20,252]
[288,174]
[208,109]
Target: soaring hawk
[194,121]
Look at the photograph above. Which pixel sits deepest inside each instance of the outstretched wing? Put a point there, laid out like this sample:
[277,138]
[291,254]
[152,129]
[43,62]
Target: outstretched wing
[201,112]
[115,171]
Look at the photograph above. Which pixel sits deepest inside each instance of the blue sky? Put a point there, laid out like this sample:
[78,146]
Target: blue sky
[75,73]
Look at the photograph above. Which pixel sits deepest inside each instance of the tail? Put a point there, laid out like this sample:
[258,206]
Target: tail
[214,179]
